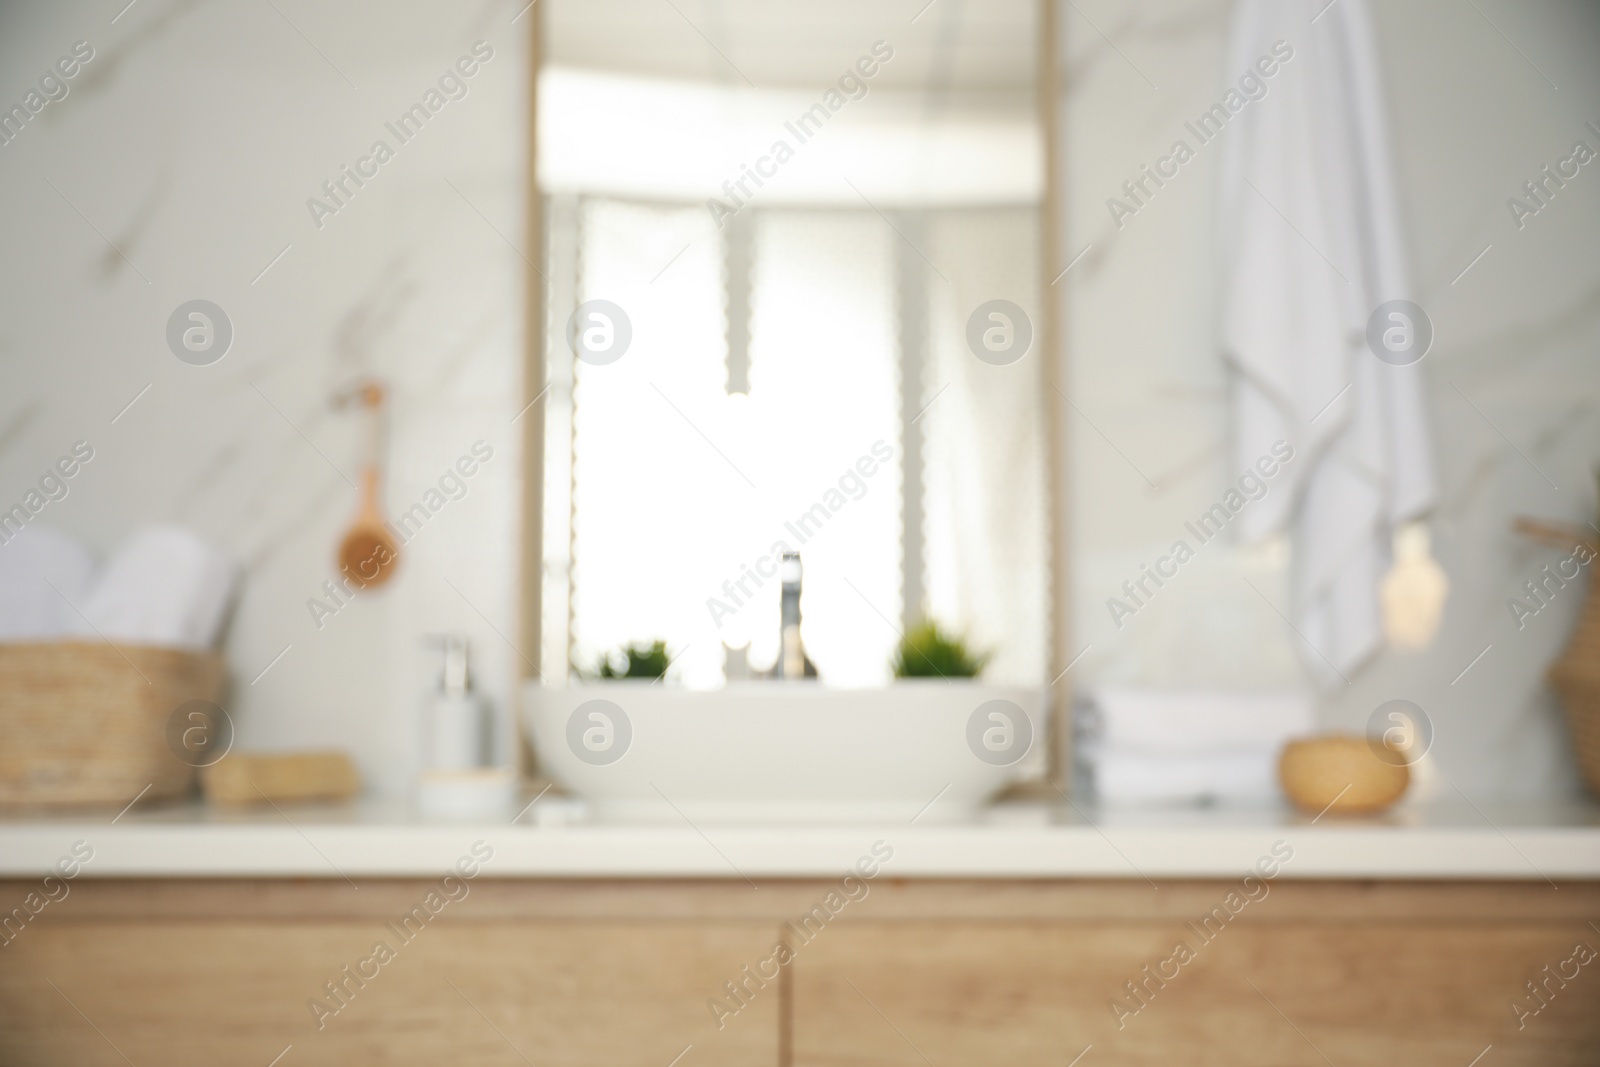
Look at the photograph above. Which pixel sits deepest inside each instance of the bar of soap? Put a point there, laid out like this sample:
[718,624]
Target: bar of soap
[1340,773]
[258,777]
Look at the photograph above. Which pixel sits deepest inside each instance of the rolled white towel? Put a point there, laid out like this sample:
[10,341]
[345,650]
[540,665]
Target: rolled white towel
[33,561]
[1192,720]
[1132,777]
[163,586]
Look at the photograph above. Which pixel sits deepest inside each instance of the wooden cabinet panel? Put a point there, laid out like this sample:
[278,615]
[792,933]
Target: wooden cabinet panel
[921,973]
[606,994]
[1350,993]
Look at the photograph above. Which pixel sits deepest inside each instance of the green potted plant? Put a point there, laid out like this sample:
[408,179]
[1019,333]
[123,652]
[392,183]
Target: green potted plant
[927,651]
[647,662]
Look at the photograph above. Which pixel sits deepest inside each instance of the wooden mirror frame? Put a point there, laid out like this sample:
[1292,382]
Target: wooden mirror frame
[1052,311]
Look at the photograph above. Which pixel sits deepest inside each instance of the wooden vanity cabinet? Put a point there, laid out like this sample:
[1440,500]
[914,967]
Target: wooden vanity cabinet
[919,972]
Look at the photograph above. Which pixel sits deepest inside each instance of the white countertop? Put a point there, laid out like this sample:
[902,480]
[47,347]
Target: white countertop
[553,840]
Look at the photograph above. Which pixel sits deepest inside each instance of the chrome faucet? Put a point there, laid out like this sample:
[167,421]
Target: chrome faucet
[792,659]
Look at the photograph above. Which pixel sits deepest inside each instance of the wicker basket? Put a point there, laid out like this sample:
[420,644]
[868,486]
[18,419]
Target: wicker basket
[1576,675]
[87,724]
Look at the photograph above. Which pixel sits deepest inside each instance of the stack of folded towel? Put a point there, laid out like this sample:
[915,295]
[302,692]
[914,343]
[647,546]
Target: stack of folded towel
[163,586]
[1184,746]
[42,574]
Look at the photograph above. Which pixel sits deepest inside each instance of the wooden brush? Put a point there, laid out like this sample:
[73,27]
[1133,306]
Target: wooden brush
[369,554]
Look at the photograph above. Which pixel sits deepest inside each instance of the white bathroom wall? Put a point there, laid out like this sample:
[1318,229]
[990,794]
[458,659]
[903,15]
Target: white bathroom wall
[179,166]
[1475,113]
[180,162]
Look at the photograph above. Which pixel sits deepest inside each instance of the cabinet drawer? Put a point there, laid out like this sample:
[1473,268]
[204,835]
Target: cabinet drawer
[1258,993]
[604,994]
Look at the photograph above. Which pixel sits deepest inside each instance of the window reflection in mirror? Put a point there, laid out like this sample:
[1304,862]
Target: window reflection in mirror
[792,262]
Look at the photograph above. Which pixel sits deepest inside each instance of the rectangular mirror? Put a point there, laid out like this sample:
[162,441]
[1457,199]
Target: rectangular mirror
[792,272]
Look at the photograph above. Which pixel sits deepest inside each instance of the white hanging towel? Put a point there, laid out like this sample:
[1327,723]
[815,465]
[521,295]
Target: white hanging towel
[1311,244]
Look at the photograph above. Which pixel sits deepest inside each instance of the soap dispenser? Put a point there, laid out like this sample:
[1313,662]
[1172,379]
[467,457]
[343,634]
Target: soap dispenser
[458,779]
[456,731]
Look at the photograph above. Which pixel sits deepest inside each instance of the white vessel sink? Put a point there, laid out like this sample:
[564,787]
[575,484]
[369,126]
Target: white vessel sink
[786,751]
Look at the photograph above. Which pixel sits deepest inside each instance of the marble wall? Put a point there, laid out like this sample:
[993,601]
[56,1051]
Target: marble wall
[1475,112]
[179,166]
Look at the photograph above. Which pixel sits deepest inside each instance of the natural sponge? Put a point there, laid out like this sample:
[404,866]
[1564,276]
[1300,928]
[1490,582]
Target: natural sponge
[1341,773]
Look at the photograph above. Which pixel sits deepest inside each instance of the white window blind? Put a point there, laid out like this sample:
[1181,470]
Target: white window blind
[680,491]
